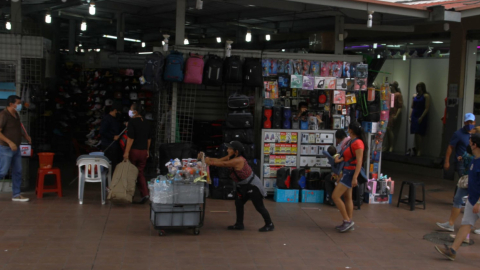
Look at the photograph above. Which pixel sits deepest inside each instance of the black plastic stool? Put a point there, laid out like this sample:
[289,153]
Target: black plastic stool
[412,195]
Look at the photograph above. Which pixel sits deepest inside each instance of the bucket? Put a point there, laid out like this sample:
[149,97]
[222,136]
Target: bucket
[46,160]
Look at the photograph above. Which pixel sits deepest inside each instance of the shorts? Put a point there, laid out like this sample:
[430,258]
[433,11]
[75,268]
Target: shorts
[347,178]
[469,218]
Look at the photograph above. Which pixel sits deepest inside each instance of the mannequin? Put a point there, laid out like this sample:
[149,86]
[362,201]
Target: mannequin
[395,113]
[419,116]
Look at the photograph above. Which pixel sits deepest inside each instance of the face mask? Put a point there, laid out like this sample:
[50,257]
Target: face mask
[19,107]
[469,127]
[131,113]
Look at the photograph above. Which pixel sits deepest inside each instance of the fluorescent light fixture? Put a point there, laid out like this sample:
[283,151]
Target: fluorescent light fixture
[92,8]
[185,42]
[248,37]
[83,26]
[145,52]
[437,42]
[143,44]
[267,37]
[219,40]
[283,50]
[126,39]
[8,25]
[404,57]
[163,42]
[89,50]
[48,17]
[378,56]
[97,50]
[199,5]
[82,50]
[80,45]
[394,46]
[369,21]
[375,45]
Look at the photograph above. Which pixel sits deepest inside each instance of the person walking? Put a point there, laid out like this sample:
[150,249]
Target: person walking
[138,145]
[472,206]
[109,131]
[249,186]
[353,154]
[10,140]
[458,144]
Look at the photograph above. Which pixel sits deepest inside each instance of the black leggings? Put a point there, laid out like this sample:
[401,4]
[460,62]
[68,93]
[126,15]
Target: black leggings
[257,200]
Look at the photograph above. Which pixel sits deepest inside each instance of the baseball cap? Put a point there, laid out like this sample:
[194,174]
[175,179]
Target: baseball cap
[469,117]
[236,145]
[133,96]
[108,102]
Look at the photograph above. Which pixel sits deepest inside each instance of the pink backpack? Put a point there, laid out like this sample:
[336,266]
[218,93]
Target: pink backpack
[194,69]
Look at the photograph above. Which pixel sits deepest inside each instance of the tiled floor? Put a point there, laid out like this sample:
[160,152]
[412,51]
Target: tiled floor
[58,233]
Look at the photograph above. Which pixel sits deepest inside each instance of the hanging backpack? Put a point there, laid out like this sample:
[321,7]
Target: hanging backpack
[213,71]
[174,67]
[233,69]
[252,72]
[194,69]
[153,70]
[236,101]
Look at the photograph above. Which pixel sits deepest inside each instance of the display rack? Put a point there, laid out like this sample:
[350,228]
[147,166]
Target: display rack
[368,163]
[293,148]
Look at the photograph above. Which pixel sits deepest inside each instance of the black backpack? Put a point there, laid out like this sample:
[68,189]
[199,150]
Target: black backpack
[233,69]
[252,72]
[213,71]
[236,101]
[153,70]
[282,175]
[295,178]
[241,135]
[314,181]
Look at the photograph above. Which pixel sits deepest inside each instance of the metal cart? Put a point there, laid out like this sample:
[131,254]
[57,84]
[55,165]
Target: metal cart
[184,213]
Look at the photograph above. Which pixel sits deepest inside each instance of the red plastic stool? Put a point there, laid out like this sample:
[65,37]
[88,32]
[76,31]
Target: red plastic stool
[40,189]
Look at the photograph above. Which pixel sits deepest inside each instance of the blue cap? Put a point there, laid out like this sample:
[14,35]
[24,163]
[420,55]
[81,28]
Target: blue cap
[469,117]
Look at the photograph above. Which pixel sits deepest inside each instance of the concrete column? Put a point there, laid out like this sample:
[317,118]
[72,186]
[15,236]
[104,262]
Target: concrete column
[339,44]
[71,36]
[120,32]
[180,22]
[16,17]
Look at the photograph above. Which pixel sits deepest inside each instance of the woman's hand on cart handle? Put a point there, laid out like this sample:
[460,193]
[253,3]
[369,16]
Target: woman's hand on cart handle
[200,155]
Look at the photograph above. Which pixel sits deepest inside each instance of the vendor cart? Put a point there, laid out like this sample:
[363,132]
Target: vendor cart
[184,209]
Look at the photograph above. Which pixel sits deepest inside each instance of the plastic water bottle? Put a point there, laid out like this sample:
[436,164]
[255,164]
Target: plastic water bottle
[178,177]
[157,191]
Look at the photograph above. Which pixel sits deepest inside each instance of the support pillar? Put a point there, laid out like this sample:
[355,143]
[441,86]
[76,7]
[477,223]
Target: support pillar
[120,32]
[16,17]
[339,30]
[71,36]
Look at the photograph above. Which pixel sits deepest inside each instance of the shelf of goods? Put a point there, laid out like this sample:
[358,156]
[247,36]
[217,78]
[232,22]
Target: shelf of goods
[295,149]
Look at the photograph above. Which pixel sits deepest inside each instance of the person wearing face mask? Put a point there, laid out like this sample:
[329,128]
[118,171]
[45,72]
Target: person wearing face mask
[138,145]
[353,154]
[249,186]
[10,140]
[109,131]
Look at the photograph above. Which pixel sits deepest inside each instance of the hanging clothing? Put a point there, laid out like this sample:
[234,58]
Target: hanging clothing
[418,107]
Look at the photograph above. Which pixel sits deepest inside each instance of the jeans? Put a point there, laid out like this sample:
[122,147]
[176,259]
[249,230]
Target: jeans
[347,178]
[257,199]
[460,168]
[458,199]
[139,159]
[14,159]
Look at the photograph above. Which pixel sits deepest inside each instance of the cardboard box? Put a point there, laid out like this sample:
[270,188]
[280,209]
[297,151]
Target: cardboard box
[289,137]
[293,149]
[277,148]
[266,148]
[272,160]
[278,160]
[277,137]
[283,137]
[311,138]
[326,138]
[371,198]
[286,195]
[283,148]
[283,160]
[311,161]
[294,137]
[269,183]
[288,148]
[317,138]
[266,171]
[304,150]
[304,137]
[273,171]
[321,162]
[269,137]
[312,196]
[313,149]
[304,161]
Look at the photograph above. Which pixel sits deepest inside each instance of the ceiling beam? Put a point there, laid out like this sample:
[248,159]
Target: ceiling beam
[386,28]
[380,8]
[273,4]
[109,6]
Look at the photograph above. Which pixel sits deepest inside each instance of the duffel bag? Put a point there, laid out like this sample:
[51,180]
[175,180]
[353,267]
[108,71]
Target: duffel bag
[241,135]
[239,120]
[237,101]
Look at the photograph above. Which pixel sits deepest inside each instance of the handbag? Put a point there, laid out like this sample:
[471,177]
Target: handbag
[463,182]
[242,190]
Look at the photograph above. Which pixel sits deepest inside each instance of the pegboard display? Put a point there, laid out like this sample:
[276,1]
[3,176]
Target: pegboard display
[7,71]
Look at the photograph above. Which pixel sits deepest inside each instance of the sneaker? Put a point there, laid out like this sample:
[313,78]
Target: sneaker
[20,198]
[466,240]
[447,252]
[237,227]
[446,226]
[267,228]
[477,231]
[340,226]
[346,226]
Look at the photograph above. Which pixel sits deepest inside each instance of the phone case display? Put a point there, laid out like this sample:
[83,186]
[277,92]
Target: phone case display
[337,69]
[350,99]
[296,81]
[265,66]
[308,82]
[306,67]
[283,81]
[341,84]
[281,65]
[289,66]
[297,67]
[347,70]
[319,83]
[315,68]
[330,83]
[339,97]
[360,84]
[271,89]
[361,71]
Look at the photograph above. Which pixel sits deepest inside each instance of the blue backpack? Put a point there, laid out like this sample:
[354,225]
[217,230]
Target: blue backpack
[174,67]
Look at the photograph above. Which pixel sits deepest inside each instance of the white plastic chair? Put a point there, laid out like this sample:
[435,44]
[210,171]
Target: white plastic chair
[95,163]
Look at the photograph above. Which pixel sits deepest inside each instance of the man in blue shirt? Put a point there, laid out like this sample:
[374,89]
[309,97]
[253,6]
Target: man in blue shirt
[472,207]
[459,143]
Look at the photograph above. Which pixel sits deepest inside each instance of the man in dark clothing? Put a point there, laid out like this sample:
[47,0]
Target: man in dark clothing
[109,131]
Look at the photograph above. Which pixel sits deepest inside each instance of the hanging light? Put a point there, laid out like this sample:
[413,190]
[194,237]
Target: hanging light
[8,25]
[404,57]
[228,48]
[143,44]
[267,37]
[378,56]
[92,8]
[83,26]
[165,42]
[370,19]
[219,40]
[48,17]
[248,37]
[375,45]
[185,42]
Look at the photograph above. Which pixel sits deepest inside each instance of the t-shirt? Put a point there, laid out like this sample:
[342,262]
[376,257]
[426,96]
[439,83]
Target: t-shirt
[11,127]
[460,141]
[347,154]
[139,131]
[474,182]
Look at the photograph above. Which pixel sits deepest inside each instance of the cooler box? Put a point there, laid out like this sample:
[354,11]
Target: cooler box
[371,198]
[169,215]
[286,195]
[312,196]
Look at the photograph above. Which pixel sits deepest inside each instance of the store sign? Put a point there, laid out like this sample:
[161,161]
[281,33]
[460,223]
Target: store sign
[26,150]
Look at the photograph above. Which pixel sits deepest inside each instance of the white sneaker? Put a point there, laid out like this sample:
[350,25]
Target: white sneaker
[446,226]
[477,231]
[20,198]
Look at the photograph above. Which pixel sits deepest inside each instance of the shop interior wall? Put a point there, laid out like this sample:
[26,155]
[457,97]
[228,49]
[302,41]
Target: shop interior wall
[434,73]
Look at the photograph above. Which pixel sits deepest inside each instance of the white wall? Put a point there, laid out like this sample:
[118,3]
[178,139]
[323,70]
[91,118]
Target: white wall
[434,73]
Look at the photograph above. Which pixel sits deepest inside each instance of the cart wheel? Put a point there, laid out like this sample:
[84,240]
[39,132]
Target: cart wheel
[161,233]
[196,231]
